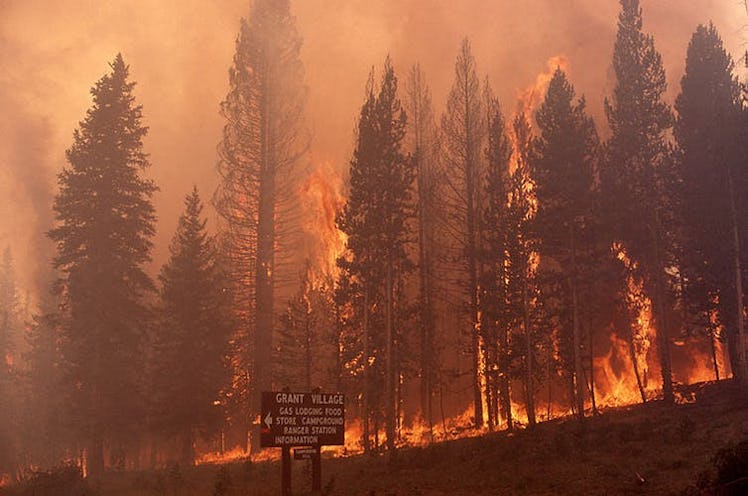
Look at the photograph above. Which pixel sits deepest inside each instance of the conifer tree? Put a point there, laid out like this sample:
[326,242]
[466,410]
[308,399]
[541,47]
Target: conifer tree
[375,218]
[424,147]
[521,248]
[104,225]
[496,320]
[563,174]
[707,132]
[263,139]
[638,178]
[463,133]
[190,369]
[307,350]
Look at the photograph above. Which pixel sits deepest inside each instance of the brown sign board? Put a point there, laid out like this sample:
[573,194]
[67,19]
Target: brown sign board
[305,453]
[302,419]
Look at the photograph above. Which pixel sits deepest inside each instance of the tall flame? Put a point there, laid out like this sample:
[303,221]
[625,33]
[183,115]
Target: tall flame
[531,97]
[322,199]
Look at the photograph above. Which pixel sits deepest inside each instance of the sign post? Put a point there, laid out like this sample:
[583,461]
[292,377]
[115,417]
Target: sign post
[307,420]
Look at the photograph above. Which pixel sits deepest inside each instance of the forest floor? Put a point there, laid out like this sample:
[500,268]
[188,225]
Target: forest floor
[643,449]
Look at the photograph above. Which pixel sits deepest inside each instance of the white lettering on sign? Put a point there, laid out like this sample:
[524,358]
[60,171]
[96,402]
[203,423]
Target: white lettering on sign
[327,399]
[294,398]
[308,411]
[301,430]
[300,440]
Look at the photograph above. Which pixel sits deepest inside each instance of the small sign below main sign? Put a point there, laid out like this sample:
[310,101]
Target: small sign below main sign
[305,453]
[302,419]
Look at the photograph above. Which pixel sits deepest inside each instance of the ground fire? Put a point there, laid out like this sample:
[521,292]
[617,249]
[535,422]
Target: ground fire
[501,246]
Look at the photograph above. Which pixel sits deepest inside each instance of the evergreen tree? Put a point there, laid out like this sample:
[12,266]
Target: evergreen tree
[707,132]
[103,235]
[194,331]
[563,174]
[307,351]
[638,179]
[375,218]
[424,147]
[263,139]
[463,133]
[495,316]
[48,436]
[521,273]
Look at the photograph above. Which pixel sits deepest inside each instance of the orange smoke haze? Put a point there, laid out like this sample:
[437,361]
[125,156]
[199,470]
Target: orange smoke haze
[179,52]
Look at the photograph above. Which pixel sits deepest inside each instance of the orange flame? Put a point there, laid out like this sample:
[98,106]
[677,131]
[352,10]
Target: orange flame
[530,97]
[213,458]
[322,198]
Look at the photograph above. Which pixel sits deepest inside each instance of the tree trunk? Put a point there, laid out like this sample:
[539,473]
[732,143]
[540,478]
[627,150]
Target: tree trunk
[504,391]
[742,368]
[529,393]
[308,345]
[661,317]
[592,365]
[578,369]
[366,389]
[635,363]
[713,350]
[391,400]
[472,214]
[265,268]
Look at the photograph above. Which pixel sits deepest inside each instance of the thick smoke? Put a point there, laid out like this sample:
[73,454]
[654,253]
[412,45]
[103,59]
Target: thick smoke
[179,51]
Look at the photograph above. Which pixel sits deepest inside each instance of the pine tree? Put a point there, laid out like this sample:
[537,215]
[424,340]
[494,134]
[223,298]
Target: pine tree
[521,248]
[563,173]
[103,235]
[638,178]
[46,408]
[495,316]
[707,132]
[263,139]
[375,218]
[194,330]
[424,147]
[307,351]
[463,133]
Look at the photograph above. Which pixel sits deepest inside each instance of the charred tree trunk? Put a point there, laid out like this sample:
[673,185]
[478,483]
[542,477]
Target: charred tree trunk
[390,396]
[576,329]
[264,300]
[366,372]
[742,366]
[661,318]
[635,364]
[504,390]
[713,350]
[473,288]
[308,346]
[529,389]
[592,366]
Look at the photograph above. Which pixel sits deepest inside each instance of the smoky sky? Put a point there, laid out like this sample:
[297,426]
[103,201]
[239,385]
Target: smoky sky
[179,52]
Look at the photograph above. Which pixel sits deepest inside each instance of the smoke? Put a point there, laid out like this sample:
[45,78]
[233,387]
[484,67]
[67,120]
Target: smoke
[25,186]
[180,51]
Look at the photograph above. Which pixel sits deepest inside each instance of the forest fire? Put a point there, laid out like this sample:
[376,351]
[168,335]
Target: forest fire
[530,98]
[322,198]
[217,458]
[465,247]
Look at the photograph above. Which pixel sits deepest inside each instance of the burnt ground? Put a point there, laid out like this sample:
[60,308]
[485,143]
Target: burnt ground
[638,450]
